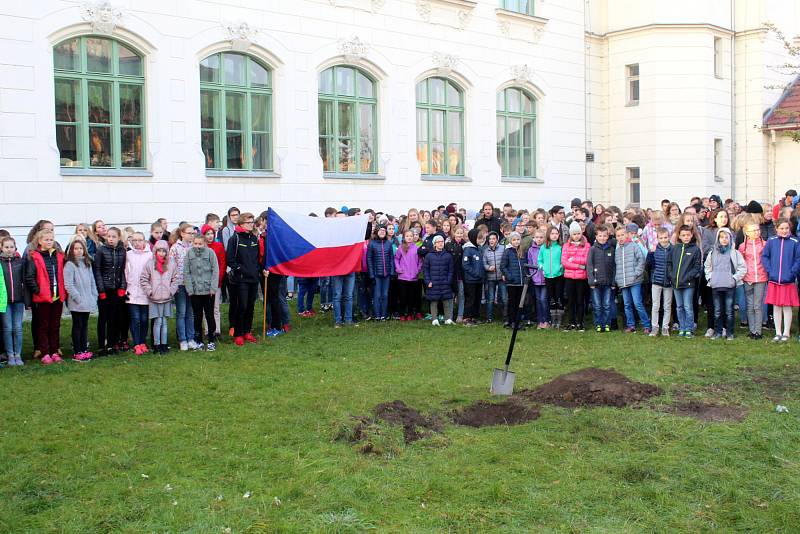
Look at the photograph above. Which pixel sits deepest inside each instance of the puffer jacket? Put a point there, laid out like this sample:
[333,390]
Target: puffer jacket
[472,264]
[724,270]
[781,259]
[201,271]
[242,257]
[135,260]
[751,250]
[437,269]
[629,260]
[407,265]
[511,267]
[492,257]
[573,258]
[656,265]
[81,287]
[550,260]
[601,264]
[44,276]
[14,276]
[160,287]
[380,258]
[109,268]
[684,265]
[536,273]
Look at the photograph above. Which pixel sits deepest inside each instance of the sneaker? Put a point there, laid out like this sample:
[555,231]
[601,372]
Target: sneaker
[137,350]
[211,346]
[716,337]
[689,335]
[250,338]
[418,317]
[598,329]
[287,328]
[665,331]
[145,350]
[653,333]
[337,325]
[710,333]
[681,333]
[784,339]
[274,332]
[57,359]
[649,332]
[46,360]
[607,329]
[184,346]
[729,338]
[198,347]
[775,339]
[581,328]
[630,330]
[435,322]
[449,322]
[238,341]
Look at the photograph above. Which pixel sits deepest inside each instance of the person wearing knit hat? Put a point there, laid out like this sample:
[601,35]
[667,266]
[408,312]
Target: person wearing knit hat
[574,256]
[437,238]
[514,274]
[438,273]
[576,203]
[717,202]
[575,228]
[753,207]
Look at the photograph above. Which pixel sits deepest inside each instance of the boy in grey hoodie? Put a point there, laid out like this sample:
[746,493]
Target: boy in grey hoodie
[725,268]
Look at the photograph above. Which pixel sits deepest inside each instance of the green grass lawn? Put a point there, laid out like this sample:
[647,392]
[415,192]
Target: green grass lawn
[175,443]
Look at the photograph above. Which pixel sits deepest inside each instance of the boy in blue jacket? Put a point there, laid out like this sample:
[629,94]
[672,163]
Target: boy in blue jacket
[660,283]
[472,263]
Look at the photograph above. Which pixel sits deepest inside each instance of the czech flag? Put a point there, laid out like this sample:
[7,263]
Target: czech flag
[311,247]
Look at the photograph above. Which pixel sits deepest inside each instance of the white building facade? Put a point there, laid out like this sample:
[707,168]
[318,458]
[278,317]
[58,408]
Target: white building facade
[132,110]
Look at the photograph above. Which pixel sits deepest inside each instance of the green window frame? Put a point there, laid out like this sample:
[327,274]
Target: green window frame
[519,6]
[516,133]
[99,104]
[348,120]
[440,127]
[236,113]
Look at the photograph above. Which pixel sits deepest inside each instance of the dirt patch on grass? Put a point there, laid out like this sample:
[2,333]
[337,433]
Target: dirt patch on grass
[709,412]
[591,387]
[415,425]
[482,413]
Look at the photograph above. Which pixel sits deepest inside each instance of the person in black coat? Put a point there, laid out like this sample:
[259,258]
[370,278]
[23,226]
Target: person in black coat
[437,270]
[241,255]
[109,276]
[492,223]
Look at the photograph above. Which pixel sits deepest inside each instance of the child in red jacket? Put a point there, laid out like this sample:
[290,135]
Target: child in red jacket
[574,257]
[44,278]
[209,233]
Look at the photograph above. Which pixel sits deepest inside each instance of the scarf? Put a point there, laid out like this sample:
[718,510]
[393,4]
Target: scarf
[160,262]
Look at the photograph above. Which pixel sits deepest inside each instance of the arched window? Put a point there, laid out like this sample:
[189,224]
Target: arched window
[235,113]
[440,127]
[99,104]
[348,117]
[516,133]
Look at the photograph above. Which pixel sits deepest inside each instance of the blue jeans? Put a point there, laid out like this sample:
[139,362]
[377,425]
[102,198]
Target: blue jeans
[460,311]
[741,300]
[685,308]
[380,296]
[632,298]
[723,307]
[495,287]
[140,317]
[184,317]
[12,328]
[305,294]
[541,303]
[325,291]
[343,297]
[601,305]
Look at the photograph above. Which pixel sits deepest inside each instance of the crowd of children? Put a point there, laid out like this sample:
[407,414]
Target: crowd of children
[446,265]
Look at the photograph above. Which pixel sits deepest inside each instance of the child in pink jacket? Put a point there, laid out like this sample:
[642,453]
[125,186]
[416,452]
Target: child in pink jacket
[574,256]
[755,281]
[138,303]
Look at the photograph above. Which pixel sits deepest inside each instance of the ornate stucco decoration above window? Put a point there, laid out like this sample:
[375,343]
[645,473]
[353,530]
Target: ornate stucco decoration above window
[519,25]
[456,13]
[521,74]
[445,63]
[240,34]
[353,49]
[103,16]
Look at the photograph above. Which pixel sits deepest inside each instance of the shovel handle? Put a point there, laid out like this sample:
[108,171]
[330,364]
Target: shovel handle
[516,324]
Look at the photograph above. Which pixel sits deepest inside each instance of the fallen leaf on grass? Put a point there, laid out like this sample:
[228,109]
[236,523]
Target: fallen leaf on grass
[143,475]
[247,495]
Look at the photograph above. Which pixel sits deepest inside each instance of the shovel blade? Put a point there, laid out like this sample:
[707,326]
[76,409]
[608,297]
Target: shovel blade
[502,382]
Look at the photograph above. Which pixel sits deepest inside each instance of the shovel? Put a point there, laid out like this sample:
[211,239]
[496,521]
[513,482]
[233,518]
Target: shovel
[503,379]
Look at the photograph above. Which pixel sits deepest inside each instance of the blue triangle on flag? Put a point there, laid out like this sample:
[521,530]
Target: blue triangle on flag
[283,242]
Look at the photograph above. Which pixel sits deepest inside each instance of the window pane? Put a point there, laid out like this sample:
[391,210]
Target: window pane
[130,104]
[501,159]
[100,147]
[65,55]
[259,76]
[436,91]
[326,82]
[67,141]
[527,104]
[501,101]
[454,159]
[633,70]
[131,151]
[437,158]
[100,102]
[234,111]
[514,155]
[234,143]
[130,64]
[525,6]
[422,157]
[346,120]
[514,137]
[527,133]
[98,55]
[347,162]
[527,163]
[422,91]
[365,86]
[501,130]
[453,127]
[635,90]
[635,192]
[208,141]
[513,99]
[325,117]
[234,65]
[208,109]
[67,100]
[326,154]
[453,95]
[367,134]
[209,69]
[259,109]
[345,81]
[437,125]
[422,125]
[261,151]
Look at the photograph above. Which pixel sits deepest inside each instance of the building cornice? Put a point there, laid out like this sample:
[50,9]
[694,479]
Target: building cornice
[651,27]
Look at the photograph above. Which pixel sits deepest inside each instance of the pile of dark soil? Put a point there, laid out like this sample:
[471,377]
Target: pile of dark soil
[482,413]
[415,425]
[710,412]
[591,387]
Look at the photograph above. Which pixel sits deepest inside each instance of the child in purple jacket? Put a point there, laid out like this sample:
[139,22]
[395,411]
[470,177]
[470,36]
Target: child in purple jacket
[407,265]
[538,288]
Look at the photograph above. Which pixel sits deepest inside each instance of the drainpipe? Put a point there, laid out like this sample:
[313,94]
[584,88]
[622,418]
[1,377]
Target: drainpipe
[733,105]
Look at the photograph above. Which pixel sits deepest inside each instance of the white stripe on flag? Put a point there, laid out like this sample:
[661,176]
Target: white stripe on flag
[327,232]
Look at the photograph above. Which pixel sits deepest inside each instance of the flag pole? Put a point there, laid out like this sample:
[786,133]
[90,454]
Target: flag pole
[264,320]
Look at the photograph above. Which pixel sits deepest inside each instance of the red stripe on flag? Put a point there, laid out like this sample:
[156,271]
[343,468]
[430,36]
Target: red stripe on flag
[331,261]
